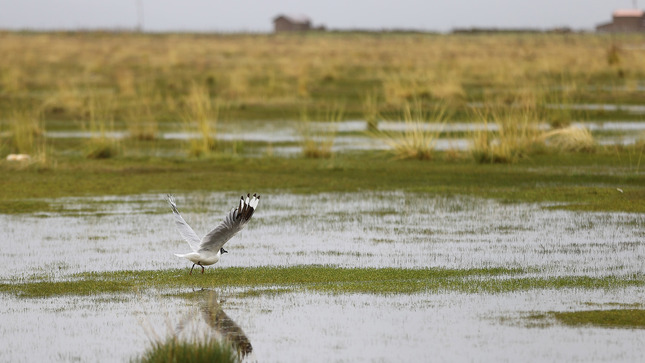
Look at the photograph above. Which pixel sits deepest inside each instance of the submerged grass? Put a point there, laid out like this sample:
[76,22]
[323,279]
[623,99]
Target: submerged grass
[614,318]
[317,278]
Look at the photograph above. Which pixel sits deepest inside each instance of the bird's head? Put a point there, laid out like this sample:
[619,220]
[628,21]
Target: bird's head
[222,251]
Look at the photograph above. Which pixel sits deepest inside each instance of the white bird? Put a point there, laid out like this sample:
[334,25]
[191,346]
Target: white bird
[209,249]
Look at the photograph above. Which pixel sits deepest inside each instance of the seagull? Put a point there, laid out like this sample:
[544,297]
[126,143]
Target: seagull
[209,249]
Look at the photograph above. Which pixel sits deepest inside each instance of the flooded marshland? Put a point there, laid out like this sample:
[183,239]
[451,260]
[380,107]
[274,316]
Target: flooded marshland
[370,275]
[371,229]
[284,138]
[297,327]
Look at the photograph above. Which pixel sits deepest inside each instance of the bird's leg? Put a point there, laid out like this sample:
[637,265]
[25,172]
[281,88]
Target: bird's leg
[191,269]
[202,268]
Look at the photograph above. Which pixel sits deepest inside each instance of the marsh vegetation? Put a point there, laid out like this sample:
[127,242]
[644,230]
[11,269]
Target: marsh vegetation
[420,187]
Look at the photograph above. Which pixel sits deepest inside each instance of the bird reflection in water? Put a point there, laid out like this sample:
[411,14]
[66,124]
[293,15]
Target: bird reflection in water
[217,319]
[221,323]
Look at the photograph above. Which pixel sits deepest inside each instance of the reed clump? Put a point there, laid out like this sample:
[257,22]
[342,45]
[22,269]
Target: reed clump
[26,131]
[506,135]
[317,139]
[140,119]
[177,350]
[570,139]
[26,139]
[200,116]
[371,112]
[100,123]
[422,128]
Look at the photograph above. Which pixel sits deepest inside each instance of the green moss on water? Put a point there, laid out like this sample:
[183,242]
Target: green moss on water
[317,278]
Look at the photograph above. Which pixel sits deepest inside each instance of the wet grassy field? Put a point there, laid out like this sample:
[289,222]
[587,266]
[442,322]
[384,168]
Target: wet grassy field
[423,196]
[579,181]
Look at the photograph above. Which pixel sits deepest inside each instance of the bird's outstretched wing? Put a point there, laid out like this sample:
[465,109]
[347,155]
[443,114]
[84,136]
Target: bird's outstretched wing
[232,223]
[184,229]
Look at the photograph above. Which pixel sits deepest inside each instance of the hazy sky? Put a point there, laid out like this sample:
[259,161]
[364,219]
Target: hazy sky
[249,15]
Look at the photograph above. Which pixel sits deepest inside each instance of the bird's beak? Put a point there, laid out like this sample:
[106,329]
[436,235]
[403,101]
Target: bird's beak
[224,251]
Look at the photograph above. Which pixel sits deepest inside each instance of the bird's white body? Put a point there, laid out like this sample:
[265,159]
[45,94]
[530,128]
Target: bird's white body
[208,250]
[206,258]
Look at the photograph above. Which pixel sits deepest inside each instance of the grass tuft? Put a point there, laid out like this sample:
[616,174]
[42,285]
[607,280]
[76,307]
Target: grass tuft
[570,139]
[418,140]
[317,142]
[371,111]
[140,119]
[201,350]
[515,136]
[201,114]
[26,130]
[100,111]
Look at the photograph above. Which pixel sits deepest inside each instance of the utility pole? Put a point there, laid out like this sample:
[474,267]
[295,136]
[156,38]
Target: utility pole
[139,15]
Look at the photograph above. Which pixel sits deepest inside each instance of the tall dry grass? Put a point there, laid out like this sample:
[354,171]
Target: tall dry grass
[282,70]
[200,115]
[371,112]
[140,118]
[418,140]
[570,139]
[100,124]
[317,138]
[506,135]
[26,131]
[26,136]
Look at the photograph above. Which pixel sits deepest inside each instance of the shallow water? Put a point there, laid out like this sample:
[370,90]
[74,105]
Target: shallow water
[299,327]
[369,229]
[345,229]
[351,135]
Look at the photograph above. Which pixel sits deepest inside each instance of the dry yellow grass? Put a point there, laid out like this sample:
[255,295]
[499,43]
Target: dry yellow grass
[279,70]
[516,135]
[25,130]
[571,139]
[100,110]
[201,114]
[418,140]
[317,140]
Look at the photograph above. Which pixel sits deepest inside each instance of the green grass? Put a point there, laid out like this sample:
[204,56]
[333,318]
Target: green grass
[615,318]
[581,181]
[177,350]
[326,279]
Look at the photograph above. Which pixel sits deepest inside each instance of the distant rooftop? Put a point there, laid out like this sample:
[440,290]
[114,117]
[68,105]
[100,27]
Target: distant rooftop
[295,18]
[628,13]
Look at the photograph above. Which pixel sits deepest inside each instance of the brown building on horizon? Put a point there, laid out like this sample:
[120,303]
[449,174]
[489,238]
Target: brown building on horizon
[624,21]
[291,23]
